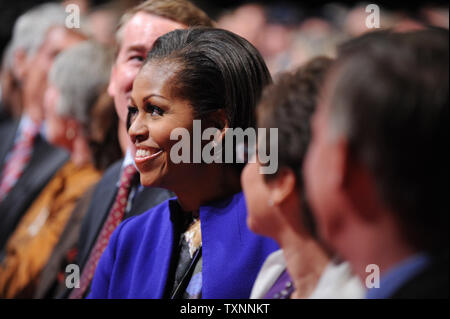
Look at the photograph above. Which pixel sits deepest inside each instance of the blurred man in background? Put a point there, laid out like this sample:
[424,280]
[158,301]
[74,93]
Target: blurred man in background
[377,168]
[27,161]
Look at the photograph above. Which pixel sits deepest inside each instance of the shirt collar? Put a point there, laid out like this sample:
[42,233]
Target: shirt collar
[25,121]
[128,160]
[26,124]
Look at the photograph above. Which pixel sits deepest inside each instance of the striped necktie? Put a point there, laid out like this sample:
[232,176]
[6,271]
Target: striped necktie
[113,220]
[18,159]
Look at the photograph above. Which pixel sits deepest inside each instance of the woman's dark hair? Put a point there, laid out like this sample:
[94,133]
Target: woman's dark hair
[289,105]
[216,69]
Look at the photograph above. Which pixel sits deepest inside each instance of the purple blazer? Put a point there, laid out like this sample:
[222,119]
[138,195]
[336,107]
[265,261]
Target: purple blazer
[137,260]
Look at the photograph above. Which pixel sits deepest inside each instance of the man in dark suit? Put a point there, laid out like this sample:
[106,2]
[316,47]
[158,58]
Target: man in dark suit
[20,184]
[377,169]
[138,29]
[44,162]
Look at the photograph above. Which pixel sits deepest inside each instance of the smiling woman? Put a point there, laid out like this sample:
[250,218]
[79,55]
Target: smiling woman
[208,75]
[176,249]
[155,108]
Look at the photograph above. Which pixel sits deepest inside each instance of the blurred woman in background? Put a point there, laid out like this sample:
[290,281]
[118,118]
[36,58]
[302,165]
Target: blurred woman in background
[277,205]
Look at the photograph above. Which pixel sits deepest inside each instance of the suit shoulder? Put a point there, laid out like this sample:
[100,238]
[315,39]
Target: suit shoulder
[113,171]
[432,282]
[53,153]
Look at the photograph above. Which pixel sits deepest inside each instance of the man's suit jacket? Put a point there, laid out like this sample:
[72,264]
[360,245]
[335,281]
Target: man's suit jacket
[430,283]
[44,163]
[4,116]
[50,285]
[102,200]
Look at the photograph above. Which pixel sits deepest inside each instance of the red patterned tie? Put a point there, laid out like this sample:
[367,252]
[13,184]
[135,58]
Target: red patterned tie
[17,161]
[114,218]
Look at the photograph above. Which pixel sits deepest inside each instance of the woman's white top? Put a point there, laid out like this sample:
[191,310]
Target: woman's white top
[337,280]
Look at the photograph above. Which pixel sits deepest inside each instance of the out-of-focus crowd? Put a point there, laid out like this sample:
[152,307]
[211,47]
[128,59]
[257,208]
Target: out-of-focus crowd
[287,35]
[85,117]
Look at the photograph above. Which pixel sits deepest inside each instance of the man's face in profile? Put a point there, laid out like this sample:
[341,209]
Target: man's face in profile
[56,40]
[322,168]
[138,36]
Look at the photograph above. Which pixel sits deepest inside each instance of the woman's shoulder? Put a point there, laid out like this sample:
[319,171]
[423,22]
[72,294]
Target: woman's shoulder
[235,203]
[273,267]
[141,221]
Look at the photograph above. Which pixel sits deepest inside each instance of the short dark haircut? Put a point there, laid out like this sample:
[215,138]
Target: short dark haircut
[288,105]
[359,42]
[216,69]
[390,100]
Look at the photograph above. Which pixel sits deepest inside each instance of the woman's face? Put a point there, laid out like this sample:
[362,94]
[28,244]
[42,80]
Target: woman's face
[257,196]
[154,114]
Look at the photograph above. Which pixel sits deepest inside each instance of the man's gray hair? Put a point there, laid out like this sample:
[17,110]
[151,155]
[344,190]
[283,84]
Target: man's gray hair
[7,58]
[31,27]
[80,74]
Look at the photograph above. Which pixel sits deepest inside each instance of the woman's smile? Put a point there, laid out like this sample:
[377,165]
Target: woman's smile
[153,114]
[146,154]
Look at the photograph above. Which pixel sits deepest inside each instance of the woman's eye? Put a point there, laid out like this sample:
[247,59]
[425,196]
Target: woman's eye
[153,110]
[132,110]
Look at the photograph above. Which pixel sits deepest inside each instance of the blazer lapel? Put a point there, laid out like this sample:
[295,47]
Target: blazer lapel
[44,163]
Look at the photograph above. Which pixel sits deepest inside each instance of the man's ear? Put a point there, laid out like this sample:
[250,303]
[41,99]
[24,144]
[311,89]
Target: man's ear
[112,83]
[282,185]
[355,182]
[20,64]
[340,168]
[74,125]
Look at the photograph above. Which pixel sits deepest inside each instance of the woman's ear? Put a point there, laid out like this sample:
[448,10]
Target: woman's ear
[281,186]
[219,120]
